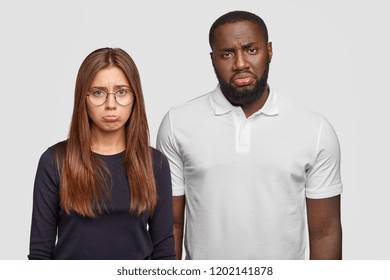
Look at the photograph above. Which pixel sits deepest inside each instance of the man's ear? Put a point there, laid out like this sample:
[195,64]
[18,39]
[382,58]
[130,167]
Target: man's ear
[270,52]
[212,58]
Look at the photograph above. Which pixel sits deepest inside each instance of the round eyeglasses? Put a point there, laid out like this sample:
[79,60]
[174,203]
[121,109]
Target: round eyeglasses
[98,96]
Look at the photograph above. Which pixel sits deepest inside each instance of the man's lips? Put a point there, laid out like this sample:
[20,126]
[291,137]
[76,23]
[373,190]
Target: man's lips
[243,79]
[111,118]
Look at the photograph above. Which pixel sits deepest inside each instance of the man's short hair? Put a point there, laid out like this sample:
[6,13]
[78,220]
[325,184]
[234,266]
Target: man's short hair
[237,16]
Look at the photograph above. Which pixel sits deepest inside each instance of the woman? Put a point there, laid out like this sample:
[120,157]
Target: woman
[104,193]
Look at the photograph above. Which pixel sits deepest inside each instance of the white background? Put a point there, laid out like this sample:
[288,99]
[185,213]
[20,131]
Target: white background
[331,56]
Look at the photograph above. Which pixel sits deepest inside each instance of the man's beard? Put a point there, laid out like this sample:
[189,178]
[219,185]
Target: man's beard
[239,97]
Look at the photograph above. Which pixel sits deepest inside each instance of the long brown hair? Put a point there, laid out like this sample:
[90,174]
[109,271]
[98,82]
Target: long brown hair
[83,181]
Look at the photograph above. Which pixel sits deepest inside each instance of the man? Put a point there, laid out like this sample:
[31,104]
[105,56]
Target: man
[247,165]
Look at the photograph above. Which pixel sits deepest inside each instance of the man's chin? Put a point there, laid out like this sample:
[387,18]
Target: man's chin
[244,89]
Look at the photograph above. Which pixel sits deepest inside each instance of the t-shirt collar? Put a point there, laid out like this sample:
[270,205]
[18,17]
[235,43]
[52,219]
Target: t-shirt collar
[223,106]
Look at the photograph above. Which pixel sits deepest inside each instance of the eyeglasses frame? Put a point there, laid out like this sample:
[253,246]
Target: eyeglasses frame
[107,94]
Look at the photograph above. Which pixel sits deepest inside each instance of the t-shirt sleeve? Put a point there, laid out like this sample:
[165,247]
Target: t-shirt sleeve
[323,177]
[161,223]
[45,208]
[167,145]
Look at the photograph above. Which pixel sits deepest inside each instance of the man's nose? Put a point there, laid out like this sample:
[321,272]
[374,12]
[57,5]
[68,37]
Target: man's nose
[240,61]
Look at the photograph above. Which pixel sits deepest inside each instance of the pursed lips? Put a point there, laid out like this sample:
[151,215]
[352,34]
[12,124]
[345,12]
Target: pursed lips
[111,118]
[242,79]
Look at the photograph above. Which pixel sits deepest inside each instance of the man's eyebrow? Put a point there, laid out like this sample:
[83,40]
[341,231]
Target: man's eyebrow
[244,46]
[227,49]
[248,45]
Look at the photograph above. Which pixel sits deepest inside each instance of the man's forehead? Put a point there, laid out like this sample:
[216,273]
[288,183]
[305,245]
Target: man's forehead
[238,33]
[239,26]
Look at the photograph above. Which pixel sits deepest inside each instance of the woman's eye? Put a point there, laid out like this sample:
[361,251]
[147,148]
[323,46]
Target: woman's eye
[121,92]
[98,93]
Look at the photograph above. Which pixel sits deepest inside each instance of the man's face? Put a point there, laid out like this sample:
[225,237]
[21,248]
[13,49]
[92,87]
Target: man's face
[241,57]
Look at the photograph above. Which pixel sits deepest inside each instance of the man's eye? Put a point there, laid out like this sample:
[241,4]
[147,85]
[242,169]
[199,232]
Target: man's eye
[226,55]
[252,50]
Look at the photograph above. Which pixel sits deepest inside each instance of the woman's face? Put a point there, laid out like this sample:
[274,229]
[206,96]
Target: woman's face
[110,116]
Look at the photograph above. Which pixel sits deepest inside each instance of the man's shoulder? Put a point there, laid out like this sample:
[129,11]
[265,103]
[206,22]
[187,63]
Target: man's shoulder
[293,109]
[186,116]
[193,106]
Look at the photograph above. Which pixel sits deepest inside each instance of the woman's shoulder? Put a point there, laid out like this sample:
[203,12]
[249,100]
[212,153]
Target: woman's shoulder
[49,162]
[50,153]
[53,154]
[58,147]
[162,174]
[160,161]
[157,155]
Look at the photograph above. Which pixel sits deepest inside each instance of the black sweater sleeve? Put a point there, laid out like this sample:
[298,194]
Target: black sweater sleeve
[161,223]
[45,208]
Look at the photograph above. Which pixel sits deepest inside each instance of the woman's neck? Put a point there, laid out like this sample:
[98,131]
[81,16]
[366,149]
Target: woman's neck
[108,143]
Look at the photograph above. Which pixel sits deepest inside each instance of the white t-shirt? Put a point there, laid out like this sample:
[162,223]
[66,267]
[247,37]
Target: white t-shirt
[246,179]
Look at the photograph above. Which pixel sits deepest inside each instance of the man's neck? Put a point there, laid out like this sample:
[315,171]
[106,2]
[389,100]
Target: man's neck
[252,108]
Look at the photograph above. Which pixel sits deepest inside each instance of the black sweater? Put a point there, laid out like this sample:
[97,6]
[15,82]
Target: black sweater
[115,234]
